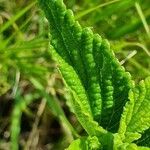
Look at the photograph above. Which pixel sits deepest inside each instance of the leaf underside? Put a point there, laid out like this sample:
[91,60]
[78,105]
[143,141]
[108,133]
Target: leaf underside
[98,80]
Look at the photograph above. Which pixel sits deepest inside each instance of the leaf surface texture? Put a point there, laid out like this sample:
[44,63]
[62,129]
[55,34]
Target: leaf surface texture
[136,117]
[103,82]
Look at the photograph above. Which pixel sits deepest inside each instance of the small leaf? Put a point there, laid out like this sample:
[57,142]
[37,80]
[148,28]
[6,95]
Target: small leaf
[136,116]
[140,120]
[86,143]
[78,144]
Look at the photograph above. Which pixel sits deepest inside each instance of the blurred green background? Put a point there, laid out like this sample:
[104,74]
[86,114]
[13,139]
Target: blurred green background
[34,111]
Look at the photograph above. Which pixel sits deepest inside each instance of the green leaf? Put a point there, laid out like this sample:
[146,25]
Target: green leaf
[136,117]
[78,144]
[80,102]
[98,82]
[86,143]
[93,73]
[120,145]
[140,120]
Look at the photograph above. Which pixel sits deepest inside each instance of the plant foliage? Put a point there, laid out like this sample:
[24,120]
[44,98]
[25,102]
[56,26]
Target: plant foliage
[111,108]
